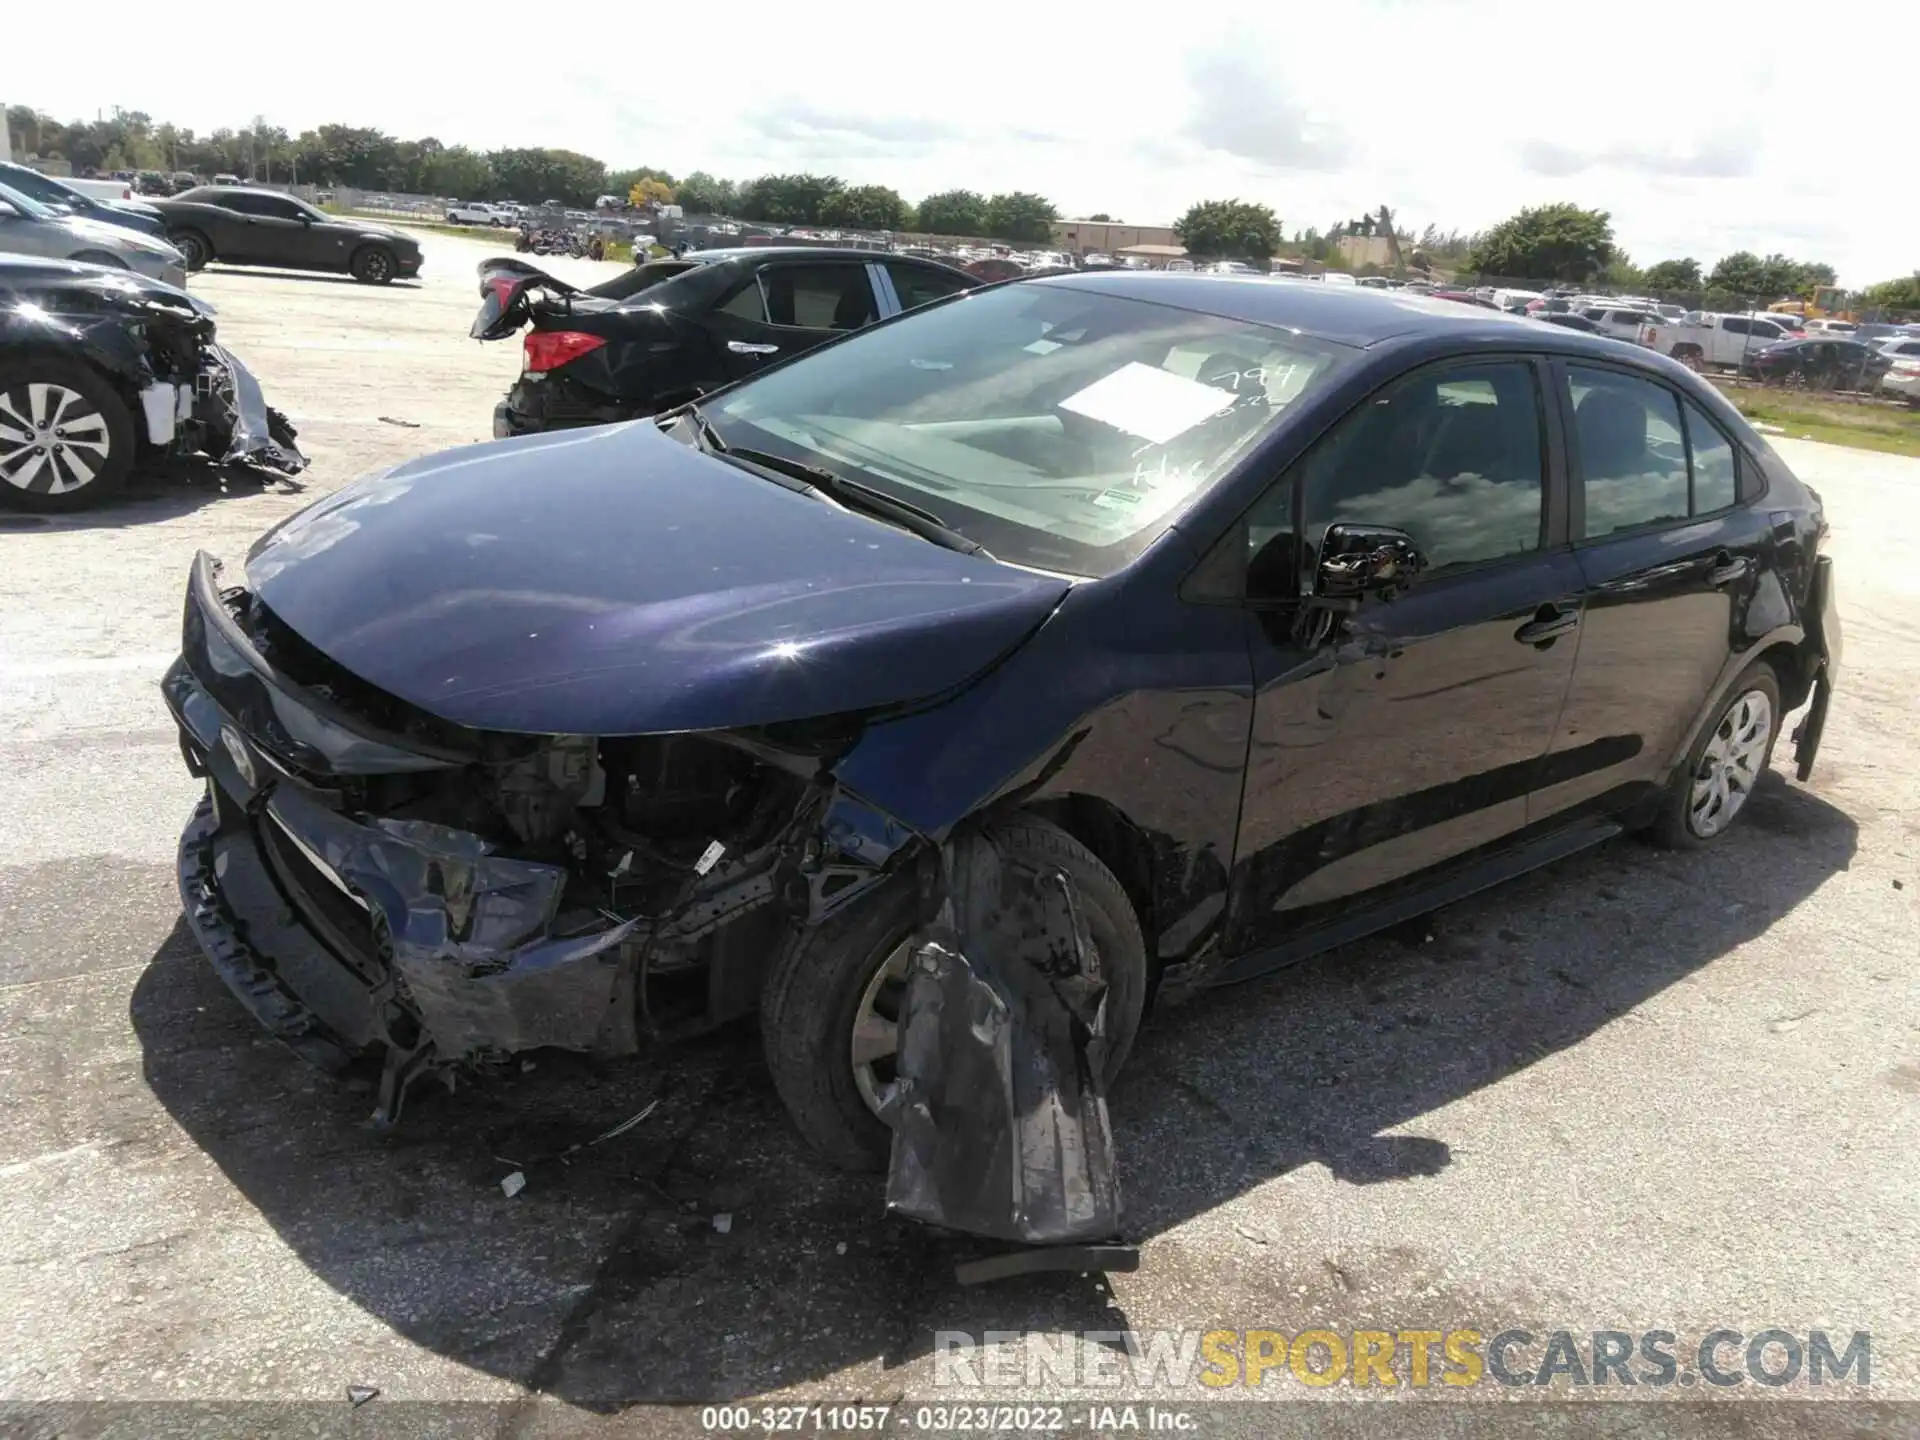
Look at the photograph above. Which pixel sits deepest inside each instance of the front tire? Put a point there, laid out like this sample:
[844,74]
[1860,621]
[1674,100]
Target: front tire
[1726,763]
[839,986]
[66,436]
[194,246]
[373,265]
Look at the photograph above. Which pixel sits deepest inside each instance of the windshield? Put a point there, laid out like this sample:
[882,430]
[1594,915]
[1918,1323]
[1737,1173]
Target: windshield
[1058,427]
[32,209]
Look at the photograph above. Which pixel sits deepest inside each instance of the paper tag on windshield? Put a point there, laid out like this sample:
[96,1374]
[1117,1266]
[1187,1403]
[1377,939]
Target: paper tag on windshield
[1154,404]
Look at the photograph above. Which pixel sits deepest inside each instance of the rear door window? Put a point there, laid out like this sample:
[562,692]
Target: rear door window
[819,297]
[1632,451]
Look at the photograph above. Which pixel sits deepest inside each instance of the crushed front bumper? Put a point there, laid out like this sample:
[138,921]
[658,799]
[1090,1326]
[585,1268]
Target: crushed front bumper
[346,935]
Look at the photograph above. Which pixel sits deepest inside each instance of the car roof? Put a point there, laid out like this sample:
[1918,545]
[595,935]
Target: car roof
[1345,314]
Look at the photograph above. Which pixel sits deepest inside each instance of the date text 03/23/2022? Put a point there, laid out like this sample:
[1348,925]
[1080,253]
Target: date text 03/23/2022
[941,1419]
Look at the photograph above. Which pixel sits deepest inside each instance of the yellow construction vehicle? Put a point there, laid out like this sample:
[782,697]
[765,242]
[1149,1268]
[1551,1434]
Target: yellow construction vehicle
[1829,302]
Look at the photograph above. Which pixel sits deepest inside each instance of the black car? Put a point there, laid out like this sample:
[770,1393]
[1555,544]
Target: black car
[240,226]
[1258,616]
[1820,362]
[102,368]
[57,195]
[669,330]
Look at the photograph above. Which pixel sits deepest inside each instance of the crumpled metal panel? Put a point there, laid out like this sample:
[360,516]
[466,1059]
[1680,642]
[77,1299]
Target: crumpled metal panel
[238,407]
[999,1117]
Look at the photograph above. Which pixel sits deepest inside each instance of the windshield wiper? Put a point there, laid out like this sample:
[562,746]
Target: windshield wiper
[855,496]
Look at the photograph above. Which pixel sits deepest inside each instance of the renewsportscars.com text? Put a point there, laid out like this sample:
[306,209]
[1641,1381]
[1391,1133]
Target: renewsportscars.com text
[1414,1358]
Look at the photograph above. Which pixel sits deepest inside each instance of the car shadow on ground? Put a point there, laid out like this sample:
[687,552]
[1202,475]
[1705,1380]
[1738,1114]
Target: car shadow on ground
[318,277]
[608,1282]
[163,491]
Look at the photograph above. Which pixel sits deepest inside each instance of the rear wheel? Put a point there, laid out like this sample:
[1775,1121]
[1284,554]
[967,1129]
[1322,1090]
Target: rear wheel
[1725,765]
[832,1001]
[373,265]
[66,436]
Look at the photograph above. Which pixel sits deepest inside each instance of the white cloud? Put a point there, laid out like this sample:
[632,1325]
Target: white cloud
[1697,141]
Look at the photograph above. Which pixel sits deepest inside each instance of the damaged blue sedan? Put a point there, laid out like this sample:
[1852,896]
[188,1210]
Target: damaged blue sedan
[1260,616]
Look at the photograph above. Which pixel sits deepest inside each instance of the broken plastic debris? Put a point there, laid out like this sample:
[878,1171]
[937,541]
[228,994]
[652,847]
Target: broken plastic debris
[841,1248]
[622,1128]
[358,1395]
[1251,1232]
[709,858]
[723,1222]
[396,420]
[513,1184]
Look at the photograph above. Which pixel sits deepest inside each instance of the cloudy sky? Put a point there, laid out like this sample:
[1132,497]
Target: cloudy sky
[1700,137]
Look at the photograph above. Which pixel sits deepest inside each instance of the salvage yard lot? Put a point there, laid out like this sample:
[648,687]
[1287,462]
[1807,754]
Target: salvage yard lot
[1635,1091]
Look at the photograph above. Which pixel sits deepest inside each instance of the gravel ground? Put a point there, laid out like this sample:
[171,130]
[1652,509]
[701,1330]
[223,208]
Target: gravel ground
[1634,1091]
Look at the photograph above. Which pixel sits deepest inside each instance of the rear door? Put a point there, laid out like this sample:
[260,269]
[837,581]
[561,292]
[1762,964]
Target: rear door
[787,307]
[1671,560]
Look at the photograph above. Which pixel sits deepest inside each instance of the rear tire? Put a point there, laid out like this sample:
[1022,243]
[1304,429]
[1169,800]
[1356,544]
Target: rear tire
[374,265]
[1727,762]
[817,991]
[86,450]
[194,246]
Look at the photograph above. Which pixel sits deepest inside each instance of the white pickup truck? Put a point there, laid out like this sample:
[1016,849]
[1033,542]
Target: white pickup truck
[1706,340]
[476,212]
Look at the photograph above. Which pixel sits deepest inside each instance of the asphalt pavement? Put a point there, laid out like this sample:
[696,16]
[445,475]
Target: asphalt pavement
[1636,1091]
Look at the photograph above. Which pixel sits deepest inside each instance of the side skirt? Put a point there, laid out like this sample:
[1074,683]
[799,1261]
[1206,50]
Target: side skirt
[1485,872]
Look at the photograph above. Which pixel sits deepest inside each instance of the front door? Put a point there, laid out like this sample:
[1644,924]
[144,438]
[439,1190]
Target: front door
[1409,732]
[790,306]
[1671,561]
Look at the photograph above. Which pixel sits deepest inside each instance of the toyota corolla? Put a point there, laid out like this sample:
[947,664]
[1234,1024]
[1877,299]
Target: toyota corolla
[1265,615]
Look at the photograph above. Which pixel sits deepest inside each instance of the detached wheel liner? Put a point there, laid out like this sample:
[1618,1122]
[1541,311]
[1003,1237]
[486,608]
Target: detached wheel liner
[818,987]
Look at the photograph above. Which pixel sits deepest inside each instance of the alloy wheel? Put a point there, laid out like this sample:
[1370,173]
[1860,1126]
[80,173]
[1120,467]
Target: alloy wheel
[52,440]
[375,266]
[876,1037]
[1731,765]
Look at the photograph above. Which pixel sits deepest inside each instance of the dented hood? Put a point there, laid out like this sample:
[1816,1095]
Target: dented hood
[612,581]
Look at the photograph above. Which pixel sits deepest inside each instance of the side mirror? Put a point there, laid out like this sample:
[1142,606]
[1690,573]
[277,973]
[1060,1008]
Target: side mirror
[1358,561]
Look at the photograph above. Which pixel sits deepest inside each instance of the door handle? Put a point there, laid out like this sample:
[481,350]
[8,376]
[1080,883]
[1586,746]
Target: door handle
[747,347]
[1727,568]
[1549,623]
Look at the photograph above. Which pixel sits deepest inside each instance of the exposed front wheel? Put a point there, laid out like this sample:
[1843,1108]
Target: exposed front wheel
[193,246]
[66,436]
[831,1006]
[373,265]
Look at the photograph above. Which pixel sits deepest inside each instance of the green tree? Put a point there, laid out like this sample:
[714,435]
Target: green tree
[787,199]
[1546,242]
[533,175]
[1021,216]
[704,194]
[1235,228]
[952,212]
[1622,274]
[1901,294]
[865,207]
[1674,275]
[1741,273]
[1100,217]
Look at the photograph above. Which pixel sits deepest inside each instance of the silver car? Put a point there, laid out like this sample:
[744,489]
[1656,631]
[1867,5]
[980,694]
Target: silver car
[29,228]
